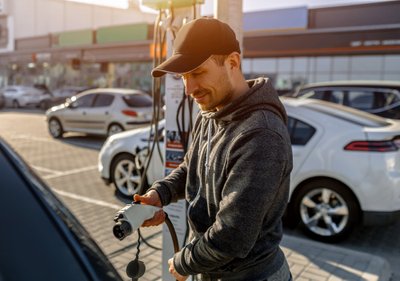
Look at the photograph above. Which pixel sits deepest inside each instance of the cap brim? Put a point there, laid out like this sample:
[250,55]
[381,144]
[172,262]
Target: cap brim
[179,64]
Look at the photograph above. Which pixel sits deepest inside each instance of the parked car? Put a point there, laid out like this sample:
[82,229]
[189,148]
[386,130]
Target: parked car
[60,96]
[40,238]
[23,96]
[378,97]
[123,156]
[103,111]
[346,167]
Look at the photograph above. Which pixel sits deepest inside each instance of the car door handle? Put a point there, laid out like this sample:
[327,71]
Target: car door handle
[84,113]
[106,113]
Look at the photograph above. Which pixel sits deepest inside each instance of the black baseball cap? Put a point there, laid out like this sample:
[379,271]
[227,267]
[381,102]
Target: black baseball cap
[195,42]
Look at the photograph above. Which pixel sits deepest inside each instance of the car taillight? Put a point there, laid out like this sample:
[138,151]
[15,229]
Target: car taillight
[130,113]
[377,146]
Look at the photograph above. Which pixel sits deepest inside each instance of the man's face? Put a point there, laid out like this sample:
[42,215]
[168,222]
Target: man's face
[209,85]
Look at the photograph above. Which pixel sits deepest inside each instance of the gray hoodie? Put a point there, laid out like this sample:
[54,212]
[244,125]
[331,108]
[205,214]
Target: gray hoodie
[235,177]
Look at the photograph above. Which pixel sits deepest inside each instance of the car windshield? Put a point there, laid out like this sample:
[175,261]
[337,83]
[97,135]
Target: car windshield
[138,100]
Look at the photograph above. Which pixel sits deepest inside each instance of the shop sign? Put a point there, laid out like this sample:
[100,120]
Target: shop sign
[43,56]
[370,43]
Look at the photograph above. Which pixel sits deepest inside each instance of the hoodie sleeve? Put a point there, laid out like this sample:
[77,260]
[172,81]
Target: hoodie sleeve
[172,187]
[253,200]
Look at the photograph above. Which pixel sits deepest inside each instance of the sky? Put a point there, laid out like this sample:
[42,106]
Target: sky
[257,5]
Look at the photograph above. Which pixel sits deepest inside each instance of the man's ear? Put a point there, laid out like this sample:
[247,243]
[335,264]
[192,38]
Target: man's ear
[234,60]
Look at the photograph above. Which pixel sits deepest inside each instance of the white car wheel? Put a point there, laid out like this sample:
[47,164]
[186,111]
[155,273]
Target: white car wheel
[328,211]
[125,175]
[55,128]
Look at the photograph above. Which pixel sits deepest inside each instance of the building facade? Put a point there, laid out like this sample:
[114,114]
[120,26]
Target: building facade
[60,43]
[352,42]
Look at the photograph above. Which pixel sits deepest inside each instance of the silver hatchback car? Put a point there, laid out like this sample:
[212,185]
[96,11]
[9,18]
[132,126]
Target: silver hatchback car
[103,111]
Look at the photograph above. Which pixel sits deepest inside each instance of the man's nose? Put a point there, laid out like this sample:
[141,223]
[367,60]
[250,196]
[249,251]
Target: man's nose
[190,85]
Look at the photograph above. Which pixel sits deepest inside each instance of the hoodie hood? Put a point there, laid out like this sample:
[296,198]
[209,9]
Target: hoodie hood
[260,96]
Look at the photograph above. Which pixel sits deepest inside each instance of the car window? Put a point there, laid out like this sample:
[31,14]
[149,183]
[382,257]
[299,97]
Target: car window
[138,100]
[103,100]
[361,99]
[300,132]
[392,97]
[336,96]
[84,101]
[385,98]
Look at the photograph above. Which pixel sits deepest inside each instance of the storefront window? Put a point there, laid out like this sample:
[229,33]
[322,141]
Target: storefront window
[284,65]
[367,64]
[323,64]
[300,65]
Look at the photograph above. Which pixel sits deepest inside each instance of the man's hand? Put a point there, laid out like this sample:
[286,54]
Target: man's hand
[151,198]
[173,272]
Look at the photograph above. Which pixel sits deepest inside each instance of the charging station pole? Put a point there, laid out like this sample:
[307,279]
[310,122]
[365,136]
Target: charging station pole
[174,151]
[231,12]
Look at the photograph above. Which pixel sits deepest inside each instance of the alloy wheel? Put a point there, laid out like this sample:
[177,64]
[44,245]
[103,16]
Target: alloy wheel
[324,212]
[126,177]
[55,128]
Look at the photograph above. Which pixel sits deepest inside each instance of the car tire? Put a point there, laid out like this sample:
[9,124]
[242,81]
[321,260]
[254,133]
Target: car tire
[44,105]
[114,129]
[15,104]
[55,128]
[126,176]
[326,209]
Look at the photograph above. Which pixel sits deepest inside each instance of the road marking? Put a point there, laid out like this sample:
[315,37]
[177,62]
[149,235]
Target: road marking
[87,199]
[27,137]
[95,146]
[42,169]
[70,172]
[55,173]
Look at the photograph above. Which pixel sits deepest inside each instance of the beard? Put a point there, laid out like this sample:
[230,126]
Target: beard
[219,94]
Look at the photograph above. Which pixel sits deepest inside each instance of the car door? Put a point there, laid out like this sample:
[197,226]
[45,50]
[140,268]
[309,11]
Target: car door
[75,116]
[99,114]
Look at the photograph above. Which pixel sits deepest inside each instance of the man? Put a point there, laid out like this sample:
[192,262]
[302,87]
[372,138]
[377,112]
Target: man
[236,173]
